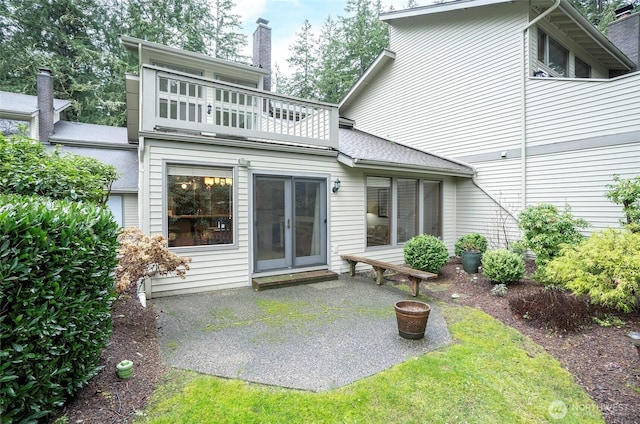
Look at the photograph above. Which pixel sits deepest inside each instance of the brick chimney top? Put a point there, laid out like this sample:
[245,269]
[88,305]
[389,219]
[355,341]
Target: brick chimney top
[262,50]
[45,103]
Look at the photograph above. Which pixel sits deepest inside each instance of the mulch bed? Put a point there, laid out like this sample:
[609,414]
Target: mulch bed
[601,358]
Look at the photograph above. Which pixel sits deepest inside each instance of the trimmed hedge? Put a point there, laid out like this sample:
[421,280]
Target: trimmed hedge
[426,252]
[502,266]
[56,286]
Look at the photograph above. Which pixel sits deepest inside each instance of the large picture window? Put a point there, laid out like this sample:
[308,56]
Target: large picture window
[401,208]
[200,205]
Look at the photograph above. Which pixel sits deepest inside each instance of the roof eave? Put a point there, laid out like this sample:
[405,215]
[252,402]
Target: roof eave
[383,58]
[389,166]
[134,44]
[596,35]
[437,8]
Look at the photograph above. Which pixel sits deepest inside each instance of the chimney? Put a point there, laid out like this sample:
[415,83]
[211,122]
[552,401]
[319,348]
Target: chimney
[262,50]
[45,104]
[624,32]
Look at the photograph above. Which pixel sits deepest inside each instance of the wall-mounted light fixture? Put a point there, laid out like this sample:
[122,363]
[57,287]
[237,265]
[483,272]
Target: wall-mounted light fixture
[209,109]
[336,185]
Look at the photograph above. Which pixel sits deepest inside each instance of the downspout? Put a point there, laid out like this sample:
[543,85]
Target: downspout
[523,99]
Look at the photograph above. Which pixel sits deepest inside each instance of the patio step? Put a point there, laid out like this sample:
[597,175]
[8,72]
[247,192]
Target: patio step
[294,279]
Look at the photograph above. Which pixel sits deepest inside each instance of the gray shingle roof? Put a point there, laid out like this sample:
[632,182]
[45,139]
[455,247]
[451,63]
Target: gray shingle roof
[25,104]
[125,161]
[361,146]
[107,144]
[89,133]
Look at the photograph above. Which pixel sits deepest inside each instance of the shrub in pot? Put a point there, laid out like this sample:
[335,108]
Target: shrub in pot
[426,252]
[471,247]
[502,266]
[471,241]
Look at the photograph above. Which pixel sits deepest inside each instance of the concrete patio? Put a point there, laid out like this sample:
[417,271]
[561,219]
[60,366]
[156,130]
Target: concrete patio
[312,337]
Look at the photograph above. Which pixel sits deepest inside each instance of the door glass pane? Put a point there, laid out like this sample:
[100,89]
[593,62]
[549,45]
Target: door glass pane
[407,209]
[270,219]
[378,211]
[432,222]
[307,218]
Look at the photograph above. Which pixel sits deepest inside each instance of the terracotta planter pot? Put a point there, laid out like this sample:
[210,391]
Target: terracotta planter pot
[412,318]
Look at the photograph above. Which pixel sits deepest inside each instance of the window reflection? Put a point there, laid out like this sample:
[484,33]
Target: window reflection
[200,206]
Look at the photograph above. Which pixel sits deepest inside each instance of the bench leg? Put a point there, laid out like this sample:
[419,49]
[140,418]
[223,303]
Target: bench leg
[415,285]
[379,275]
[352,268]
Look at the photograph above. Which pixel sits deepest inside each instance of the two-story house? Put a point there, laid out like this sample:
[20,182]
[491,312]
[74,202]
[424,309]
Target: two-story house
[536,99]
[250,183]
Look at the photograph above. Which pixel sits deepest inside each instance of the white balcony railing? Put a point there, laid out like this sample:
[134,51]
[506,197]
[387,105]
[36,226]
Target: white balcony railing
[178,101]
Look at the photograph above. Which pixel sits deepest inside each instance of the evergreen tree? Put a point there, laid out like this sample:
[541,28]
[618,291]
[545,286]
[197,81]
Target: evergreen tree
[364,36]
[303,61]
[66,36]
[227,43]
[601,12]
[177,23]
[332,82]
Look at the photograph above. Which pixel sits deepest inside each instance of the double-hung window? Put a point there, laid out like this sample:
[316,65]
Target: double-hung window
[401,208]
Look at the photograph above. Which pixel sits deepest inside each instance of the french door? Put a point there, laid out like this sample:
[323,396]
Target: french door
[290,222]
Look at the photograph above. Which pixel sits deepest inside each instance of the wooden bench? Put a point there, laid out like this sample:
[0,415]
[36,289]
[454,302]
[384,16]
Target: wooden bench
[415,275]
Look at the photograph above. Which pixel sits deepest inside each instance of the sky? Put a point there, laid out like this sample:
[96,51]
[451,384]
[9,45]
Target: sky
[286,17]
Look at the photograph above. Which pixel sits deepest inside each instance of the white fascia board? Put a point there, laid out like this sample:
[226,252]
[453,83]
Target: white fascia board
[438,8]
[134,44]
[388,166]
[383,58]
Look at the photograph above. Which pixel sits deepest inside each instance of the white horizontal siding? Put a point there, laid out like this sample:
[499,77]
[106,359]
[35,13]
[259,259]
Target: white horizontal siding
[479,213]
[579,179]
[454,86]
[219,267]
[130,206]
[502,179]
[565,110]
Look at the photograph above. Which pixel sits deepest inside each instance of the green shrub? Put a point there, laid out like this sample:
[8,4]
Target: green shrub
[605,267]
[502,266]
[499,290]
[426,252]
[27,168]
[471,241]
[545,230]
[56,263]
[626,192]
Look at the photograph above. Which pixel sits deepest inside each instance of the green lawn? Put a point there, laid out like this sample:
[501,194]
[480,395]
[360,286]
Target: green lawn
[491,374]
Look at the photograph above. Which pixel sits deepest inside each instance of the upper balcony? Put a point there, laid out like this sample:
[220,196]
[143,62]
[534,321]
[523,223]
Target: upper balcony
[179,102]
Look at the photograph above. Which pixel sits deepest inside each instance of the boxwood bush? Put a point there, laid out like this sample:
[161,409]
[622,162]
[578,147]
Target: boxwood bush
[426,252]
[502,266]
[471,241]
[56,263]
